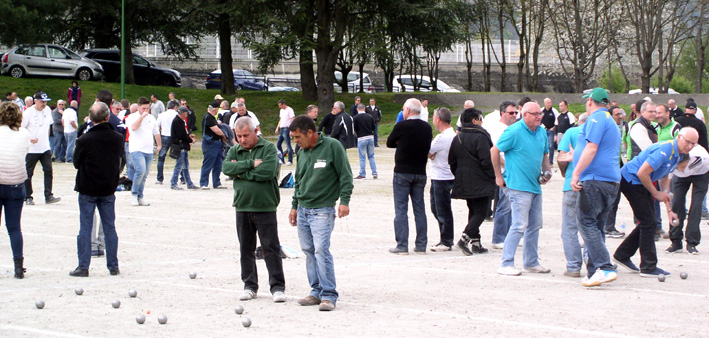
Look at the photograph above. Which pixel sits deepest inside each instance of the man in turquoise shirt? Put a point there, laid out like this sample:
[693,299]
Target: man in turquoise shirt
[526,154]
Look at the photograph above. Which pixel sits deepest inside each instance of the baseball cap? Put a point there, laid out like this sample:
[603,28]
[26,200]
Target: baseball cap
[218,97]
[42,96]
[182,110]
[690,105]
[598,94]
[213,105]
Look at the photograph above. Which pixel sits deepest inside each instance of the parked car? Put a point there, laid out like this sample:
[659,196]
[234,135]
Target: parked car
[145,72]
[405,83]
[49,60]
[353,82]
[282,89]
[243,79]
[653,90]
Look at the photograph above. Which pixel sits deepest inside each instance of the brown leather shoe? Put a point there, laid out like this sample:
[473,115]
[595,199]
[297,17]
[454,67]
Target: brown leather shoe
[309,301]
[327,305]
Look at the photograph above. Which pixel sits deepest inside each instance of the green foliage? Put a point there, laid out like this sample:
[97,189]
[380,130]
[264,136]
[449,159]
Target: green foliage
[617,82]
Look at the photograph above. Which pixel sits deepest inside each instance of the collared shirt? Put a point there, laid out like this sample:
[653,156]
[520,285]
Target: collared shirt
[662,157]
[668,132]
[524,152]
[600,129]
[441,144]
[38,123]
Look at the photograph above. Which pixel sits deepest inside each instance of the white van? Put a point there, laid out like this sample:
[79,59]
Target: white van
[405,83]
[353,82]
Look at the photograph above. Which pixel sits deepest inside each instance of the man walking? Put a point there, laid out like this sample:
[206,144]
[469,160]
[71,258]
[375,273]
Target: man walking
[442,178]
[211,148]
[59,146]
[37,119]
[376,113]
[364,129]
[164,123]
[143,129]
[342,127]
[638,176]
[181,137]
[322,176]
[253,164]
[526,149]
[549,120]
[97,159]
[286,116]
[70,120]
[412,139]
[596,166]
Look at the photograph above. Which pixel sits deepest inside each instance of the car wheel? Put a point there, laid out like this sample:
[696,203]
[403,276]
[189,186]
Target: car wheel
[17,72]
[239,87]
[84,74]
[265,88]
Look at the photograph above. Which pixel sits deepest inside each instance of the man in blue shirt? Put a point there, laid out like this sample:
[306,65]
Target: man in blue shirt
[569,223]
[638,176]
[526,155]
[597,168]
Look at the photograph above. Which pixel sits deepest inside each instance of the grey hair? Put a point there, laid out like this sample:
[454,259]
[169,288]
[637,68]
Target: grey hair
[239,105]
[414,106]
[360,106]
[645,104]
[444,114]
[505,104]
[245,121]
[340,105]
[582,118]
[98,112]
[61,101]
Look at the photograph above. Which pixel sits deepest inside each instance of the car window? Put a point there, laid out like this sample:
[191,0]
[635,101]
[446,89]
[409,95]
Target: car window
[407,81]
[21,50]
[107,56]
[72,54]
[248,75]
[352,76]
[137,60]
[57,53]
[37,51]
[367,80]
[425,83]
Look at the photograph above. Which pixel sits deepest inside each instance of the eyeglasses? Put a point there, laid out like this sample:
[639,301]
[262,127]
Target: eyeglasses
[512,112]
[688,141]
[535,114]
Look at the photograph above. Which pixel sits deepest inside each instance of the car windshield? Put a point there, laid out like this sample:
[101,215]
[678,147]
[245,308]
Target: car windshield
[137,60]
[72,54]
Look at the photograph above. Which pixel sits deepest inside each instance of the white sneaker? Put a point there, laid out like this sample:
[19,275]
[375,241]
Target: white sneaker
[135,202]
[508,271]
[289,163]
[599,277]
[279,297]
[537,269]
[205,188]
[498,246]
[249,295]
[440,248]
[142,202]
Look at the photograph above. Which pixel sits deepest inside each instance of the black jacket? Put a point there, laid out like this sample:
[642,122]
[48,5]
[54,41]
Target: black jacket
[469,158]
[97,157]
[343,131]
[191,120]
[179,134]
[376,113]
[689,120]
[326,124]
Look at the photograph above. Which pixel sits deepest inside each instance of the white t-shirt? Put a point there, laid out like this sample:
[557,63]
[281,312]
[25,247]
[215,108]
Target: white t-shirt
[698,163]
[68,116]
[38,124]
[424,114]
[165,122]
[232,120]
[441,145]
[495,129]
[699,114]
[489,118]
[141,140]
[286,115]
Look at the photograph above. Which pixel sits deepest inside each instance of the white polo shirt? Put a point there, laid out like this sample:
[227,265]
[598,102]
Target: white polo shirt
[141,140]
[441,145]
[38,124]
[165,122]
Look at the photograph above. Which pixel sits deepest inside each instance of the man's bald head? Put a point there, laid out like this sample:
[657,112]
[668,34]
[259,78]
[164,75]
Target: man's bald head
[687,139]
[468,104]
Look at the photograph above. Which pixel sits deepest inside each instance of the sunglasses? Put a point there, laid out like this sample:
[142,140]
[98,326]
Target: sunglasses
[512,112]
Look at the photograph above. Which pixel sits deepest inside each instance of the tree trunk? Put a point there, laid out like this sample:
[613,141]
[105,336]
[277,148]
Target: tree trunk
[700,49]
[128,70]
[307,75]
[225,59]
[361,76]
[469,60]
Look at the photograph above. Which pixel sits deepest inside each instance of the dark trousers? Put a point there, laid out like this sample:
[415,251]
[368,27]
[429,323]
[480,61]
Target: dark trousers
[441,208]
[610,220]
[248,224]
[478,208]
[643,236]
[45,159]
[106,206]
[12,199]
[699,191]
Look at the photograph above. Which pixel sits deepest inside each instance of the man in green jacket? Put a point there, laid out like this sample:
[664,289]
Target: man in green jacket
[253,164]
[322,175]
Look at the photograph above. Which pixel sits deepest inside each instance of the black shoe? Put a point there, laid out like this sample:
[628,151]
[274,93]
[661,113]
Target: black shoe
[78,272]
[463,245]
[19,269]
[477,247]
[97,253]
[52,200]
[29,201]
[692,250]
[674,248]
[114,272]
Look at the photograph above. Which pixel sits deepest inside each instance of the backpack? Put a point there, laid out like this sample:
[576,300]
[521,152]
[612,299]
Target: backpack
[288,181]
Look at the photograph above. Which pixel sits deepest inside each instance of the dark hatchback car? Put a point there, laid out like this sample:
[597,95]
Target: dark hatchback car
[146,73]
[243,79]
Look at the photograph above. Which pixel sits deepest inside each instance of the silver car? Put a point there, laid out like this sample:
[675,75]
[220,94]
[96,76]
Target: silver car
[49,60]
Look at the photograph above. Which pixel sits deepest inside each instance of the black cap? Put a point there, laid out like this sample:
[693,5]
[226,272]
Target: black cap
[691,105]
[42,96]
[213,105]
[182,110]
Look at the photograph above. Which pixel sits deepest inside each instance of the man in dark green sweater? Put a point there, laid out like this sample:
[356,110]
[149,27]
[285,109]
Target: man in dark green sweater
[253,164]
[322,175]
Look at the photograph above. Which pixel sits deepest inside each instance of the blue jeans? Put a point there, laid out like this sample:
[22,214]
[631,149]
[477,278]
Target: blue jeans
[12,198]
[284,135]
[141,164]
[365,149]
[550,138]
[503,218]
[441,207]
[376,133]
[182,166]
[406,185]
[526,221]
[130,170]
[164,147]
[658,215]
[59,146]
[314,229]
[594,203]
[107,211]
[570,231]
[212,162]
[70,144]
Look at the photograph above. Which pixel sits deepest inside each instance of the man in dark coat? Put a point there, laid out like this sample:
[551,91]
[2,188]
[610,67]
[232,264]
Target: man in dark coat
[182,138]
[469,159]
[342,128]
[97,160]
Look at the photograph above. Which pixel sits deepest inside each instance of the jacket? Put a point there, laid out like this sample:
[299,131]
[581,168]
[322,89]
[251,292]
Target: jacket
[322,175]
[376,113]
[255,189]
[470,162]
[343,131]
[179,133]
[97,158]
